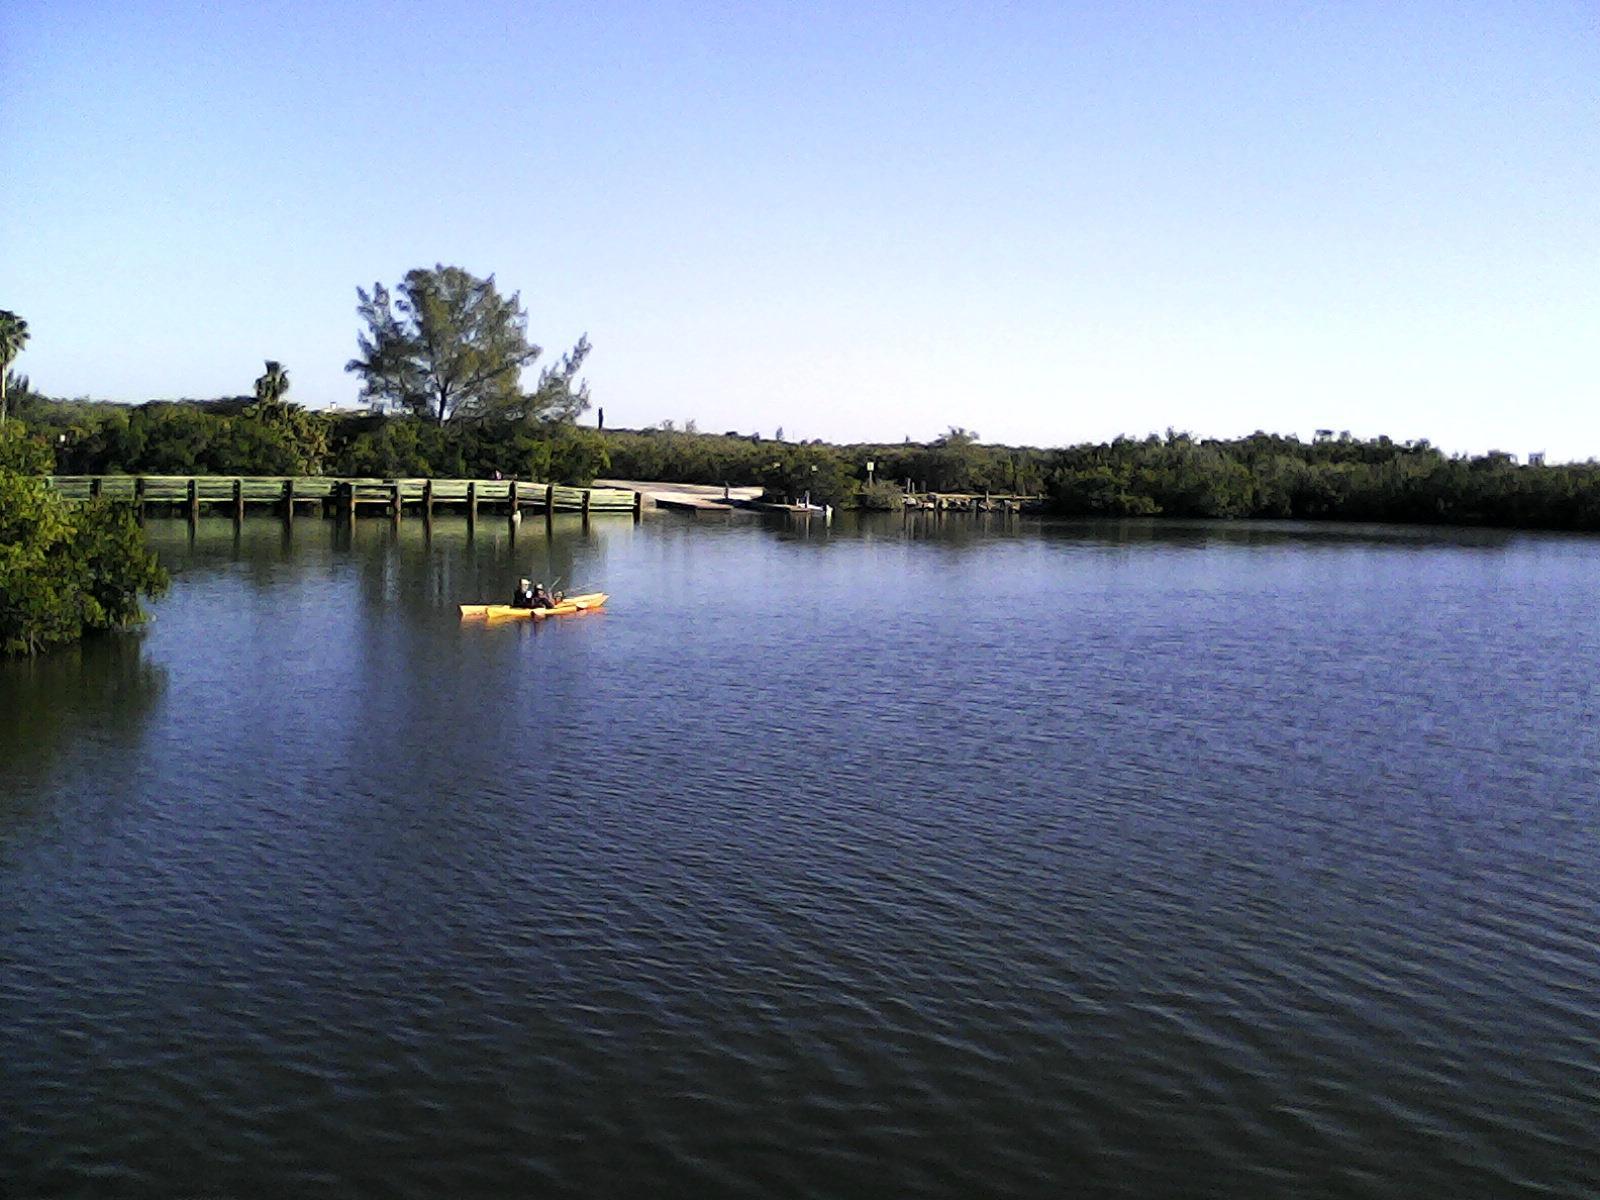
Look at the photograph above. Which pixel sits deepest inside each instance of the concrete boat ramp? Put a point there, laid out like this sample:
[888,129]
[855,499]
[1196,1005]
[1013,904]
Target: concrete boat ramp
[697,497]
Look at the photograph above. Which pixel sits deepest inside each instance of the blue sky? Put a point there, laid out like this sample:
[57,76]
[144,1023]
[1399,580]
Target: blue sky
[1047,222]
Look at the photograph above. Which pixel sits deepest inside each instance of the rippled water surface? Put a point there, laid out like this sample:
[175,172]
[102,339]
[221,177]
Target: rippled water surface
[937,858]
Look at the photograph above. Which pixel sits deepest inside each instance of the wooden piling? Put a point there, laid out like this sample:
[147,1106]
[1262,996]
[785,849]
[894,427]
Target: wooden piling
[194,499]
[587,494]
[394,492]
[238,500]
[427,499]
[94,487]
[350,502]
[549,498]
[288,499]
[138,497]
[472,501]
[638,506]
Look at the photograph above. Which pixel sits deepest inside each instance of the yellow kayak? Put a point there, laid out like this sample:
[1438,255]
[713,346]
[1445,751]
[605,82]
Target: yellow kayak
[567,607]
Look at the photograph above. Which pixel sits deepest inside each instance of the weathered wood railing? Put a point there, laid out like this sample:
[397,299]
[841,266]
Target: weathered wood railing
[346,497]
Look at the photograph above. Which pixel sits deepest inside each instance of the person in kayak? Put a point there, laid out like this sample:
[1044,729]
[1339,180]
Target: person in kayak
[524,596]
[542,598]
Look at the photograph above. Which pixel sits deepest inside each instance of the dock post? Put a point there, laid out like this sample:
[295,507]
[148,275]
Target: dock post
[427,499]
[394,491]
[288,500]
[350,501]
[472,501]
[514,500]
[238,500]
[638,506]
[94,488]
[587,494]
[138,497]
[549,498]
[194,499]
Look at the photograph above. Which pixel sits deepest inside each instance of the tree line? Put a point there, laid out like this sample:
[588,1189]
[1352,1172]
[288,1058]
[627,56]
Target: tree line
[241,435]
[443,359]
[1173,475]
[1169,475]
[1328,478]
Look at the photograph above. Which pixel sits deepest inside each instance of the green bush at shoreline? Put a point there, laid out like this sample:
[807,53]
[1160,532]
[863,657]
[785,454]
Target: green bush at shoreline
[67,569]
[1173,475]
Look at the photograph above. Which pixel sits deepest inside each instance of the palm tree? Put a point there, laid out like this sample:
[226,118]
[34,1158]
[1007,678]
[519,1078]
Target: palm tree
[13,337]
[270,388]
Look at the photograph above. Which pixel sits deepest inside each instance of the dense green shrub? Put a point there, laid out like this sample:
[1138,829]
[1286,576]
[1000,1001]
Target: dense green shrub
[1100,491]
[67,568]
[796,473]
[880,497]
[23,452]
[391,447]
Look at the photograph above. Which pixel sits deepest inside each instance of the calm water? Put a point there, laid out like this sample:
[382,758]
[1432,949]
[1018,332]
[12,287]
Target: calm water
[937,859]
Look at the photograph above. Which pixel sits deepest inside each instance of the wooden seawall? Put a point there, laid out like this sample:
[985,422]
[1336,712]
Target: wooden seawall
[339,497]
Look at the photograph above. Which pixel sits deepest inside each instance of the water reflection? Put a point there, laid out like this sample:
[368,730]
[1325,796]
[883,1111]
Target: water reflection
[80,702]
[558,548]
[450,559]
[960,529]
[981,528]
[1203,534]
